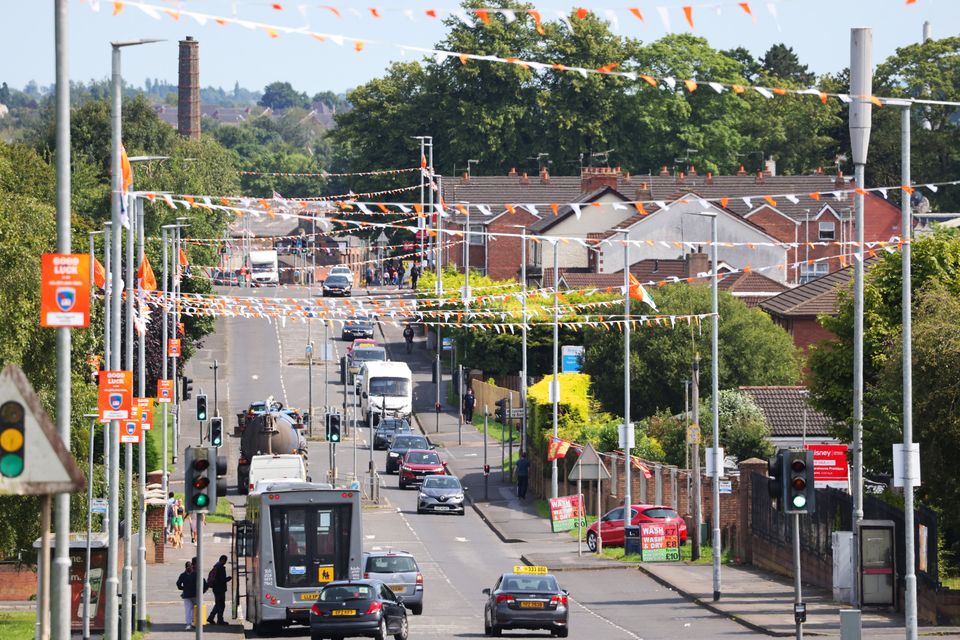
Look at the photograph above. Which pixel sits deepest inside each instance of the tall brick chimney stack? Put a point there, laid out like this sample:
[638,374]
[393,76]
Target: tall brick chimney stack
[188,90]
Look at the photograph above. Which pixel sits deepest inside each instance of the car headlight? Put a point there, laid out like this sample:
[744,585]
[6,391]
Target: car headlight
[459,496]
[393,454]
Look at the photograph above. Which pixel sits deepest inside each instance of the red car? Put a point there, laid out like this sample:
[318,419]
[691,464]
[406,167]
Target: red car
[611,524]
[418,464]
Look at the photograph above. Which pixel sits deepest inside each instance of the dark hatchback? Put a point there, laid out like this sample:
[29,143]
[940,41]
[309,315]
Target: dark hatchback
[358,608]
[387,430]
[525,601]
[357,327]
[402,444]
[337,285]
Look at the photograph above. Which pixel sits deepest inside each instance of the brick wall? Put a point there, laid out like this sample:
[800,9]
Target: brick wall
[155,523]
[17,582]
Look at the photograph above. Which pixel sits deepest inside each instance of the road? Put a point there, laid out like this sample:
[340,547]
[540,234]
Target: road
[458,555]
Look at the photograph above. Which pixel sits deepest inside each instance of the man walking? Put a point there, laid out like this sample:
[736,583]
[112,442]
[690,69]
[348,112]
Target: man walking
[408,338]
[218,584]
[414,275]
[469,402]
[523,474]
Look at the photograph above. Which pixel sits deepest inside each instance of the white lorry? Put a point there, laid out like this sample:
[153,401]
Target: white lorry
[267,468]
[264,269]
[387,389]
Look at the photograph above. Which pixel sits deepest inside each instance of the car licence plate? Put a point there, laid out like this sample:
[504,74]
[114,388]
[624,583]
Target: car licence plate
[531,604]
[343,612]
[398,588]
[442,508]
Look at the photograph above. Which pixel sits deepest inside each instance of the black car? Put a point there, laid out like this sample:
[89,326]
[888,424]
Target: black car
[358,608]
[387,430]
[528,600]
[337,285]
[401,444]
[358,326]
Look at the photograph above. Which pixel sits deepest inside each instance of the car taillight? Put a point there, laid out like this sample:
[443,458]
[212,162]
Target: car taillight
[315,610]
[366,576]
[419,578]
[555,600]
[244,461]
[251,486]
[504,597]
[374,607]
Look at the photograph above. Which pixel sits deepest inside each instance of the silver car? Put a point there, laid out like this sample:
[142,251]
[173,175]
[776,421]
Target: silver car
[443,494]
[399,571]
[526,601]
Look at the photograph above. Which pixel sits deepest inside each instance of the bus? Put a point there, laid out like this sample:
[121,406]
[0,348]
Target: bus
[295,538]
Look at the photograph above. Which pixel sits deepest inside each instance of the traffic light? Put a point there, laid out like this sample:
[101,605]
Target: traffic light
[11,439]
[801,496]
[200,483]
[201,407]
[216,430]
[775,482]
[333,427]
[501,411]
[187,390]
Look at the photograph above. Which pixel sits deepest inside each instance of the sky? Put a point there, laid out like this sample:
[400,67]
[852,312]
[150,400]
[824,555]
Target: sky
[818,30]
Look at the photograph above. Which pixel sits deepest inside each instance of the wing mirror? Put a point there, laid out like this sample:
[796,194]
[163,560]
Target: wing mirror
[486,592]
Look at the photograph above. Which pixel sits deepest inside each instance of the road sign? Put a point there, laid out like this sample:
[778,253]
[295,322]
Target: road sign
[144,409]
[130,431]
[516,412]
[408,246]
[99,505]
[173,348]
[325,573]
[115,395]
[572,358]
[725,486]
[65,290]
[589,466]
[165,391]
[693,434]
[47,465]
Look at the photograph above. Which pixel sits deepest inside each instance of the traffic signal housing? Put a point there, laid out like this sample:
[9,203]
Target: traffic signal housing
[200,481]
[500,414]
[775,484]
[187,388]
[800,494]
[333,428]
[201,407]
[216,431]
[12,439]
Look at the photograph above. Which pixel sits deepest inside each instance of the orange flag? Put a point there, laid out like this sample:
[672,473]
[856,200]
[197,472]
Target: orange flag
[99,273]
[637,292]
[126,171]
[148,282]
[183,259]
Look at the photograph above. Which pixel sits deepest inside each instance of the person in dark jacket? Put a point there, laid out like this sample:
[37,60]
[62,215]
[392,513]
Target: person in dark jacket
[219,587]
[187,584]
[408,338]
[523,475]
[469,402]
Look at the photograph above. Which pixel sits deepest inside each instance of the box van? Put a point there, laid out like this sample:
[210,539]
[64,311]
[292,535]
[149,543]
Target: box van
[276,467]
[387,389]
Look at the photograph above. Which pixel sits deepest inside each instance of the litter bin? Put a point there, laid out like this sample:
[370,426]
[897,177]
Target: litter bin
[631,540]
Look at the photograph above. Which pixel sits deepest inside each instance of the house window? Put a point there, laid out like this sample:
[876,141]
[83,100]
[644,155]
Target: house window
[828,231]
[476,235]
[813,271]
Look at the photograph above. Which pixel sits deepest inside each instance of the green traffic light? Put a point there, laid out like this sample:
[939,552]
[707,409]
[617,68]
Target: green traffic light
[799,502]
[216,442]
[11,466]
[201,500]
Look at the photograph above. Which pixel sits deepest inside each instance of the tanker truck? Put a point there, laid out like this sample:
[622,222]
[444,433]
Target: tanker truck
[273,432]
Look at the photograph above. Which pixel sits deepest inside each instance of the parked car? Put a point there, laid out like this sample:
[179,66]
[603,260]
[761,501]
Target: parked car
[401,444]
[611,524]
[399,571]
[387,430]
[443,494]
[358,608]
[418,464]
[337,285]
[531,600]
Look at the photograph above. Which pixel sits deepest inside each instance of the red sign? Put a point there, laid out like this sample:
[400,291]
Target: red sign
[78,567]
[115,395]
[659,541]
[145,411]
[165,391]
[565,512]
[173,348]
[830,467]
[408,246]
[130,431]
[65,290]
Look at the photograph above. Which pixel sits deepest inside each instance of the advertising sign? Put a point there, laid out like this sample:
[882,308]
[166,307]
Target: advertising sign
[564,513]
[145,411]
[65,290]
[572,358]
[173,347]
[130,431]
[165,391]
[830,465]
[659,542]
[78,567]
[115,395]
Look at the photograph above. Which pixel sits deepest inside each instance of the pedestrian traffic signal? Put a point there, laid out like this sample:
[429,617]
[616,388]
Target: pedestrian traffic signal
[201,407]
[801,496]
[11,439]
[200,481]
[216,431]
[187,388]
[775,485]
[501,412]
[333,427]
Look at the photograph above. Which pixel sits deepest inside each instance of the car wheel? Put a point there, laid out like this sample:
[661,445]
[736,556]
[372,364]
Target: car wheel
[404,631]
[381,630]
[487,629]
[403,485]
[417,609]
[561,633]
[592,541]
[419,510]
[495,631]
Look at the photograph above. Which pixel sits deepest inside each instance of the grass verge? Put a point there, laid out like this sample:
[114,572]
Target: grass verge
[17,625]
[224,512]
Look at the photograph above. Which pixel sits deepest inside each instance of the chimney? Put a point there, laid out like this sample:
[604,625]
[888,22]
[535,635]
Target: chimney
[927,30]
[770,166]
[697,263]
[643,192]
[840,182]
[759,179]
[663,171]
[692,171]
[680,177]
[709,180]
[188,90]
[742,171]
[466,176]
[594,178]
[544,176]
[513,172]
[524,179]
[819,171]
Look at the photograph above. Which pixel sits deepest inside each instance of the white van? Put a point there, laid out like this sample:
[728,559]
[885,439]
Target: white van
[289,466]
[387,389]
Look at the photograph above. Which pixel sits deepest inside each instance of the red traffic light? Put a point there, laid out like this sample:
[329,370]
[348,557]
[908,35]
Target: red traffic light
[201,483]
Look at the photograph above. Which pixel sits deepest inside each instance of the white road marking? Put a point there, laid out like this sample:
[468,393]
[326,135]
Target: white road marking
[459,539]
[369,536]
[470,455]
[283,386]
[607,620]
[255,377]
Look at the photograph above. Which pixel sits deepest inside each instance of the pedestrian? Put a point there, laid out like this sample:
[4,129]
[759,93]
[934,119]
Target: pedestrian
[369,277]
[394,277]
[217,582]
[187,584]
[171,502]
[192,525]
[408,337]
[414,275]
[469,402]
[178,514]
[401,272]
[523,474]
[243,276]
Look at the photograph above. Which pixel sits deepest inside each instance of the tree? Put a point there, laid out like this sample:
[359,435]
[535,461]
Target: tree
[281,95]
[781,62]
[743,428]
[753,351]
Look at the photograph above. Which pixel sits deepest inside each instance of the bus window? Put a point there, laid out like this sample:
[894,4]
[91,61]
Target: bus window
[306,538]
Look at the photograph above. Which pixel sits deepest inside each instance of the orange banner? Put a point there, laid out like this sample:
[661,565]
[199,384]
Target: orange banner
[115,395]
[165,391]
[173,348]
[65,290]
[145,412]
[130,431]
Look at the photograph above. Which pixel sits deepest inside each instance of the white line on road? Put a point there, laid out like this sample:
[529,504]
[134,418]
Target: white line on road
[607,620]
[283,387]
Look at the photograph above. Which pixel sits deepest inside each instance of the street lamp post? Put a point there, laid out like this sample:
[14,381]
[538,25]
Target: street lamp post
[555,384]
[86,573]
[627,426]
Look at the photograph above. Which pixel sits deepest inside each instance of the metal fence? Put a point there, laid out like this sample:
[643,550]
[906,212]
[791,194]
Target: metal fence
[835,513]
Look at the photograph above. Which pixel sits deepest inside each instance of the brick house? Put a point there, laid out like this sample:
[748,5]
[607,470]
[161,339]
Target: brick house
[790,416]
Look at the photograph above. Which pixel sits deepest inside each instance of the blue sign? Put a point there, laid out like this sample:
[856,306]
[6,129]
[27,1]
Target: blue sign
[572,359]
[447,344]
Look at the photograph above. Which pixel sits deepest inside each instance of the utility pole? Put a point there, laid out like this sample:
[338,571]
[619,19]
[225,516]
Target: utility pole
[523,329]
[697,501]
[215,366]
[555,385]
[165,320]
[126,618]
[627,426]
[107,321]
[439,290]
[715,403]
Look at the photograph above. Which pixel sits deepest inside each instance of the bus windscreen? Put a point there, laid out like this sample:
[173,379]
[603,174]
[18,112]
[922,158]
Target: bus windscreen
[308,539]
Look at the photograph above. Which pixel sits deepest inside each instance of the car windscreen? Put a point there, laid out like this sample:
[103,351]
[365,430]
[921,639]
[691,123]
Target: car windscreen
[423,457]
[340,281]
[264,266]
[368,355]
[411,442]
[441,482]
[344,592]
[390,564]
[389,387]
[530,583]
[666,514]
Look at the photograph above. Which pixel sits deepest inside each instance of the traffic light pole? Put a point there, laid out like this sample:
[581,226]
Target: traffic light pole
[797,585]
[198,570]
